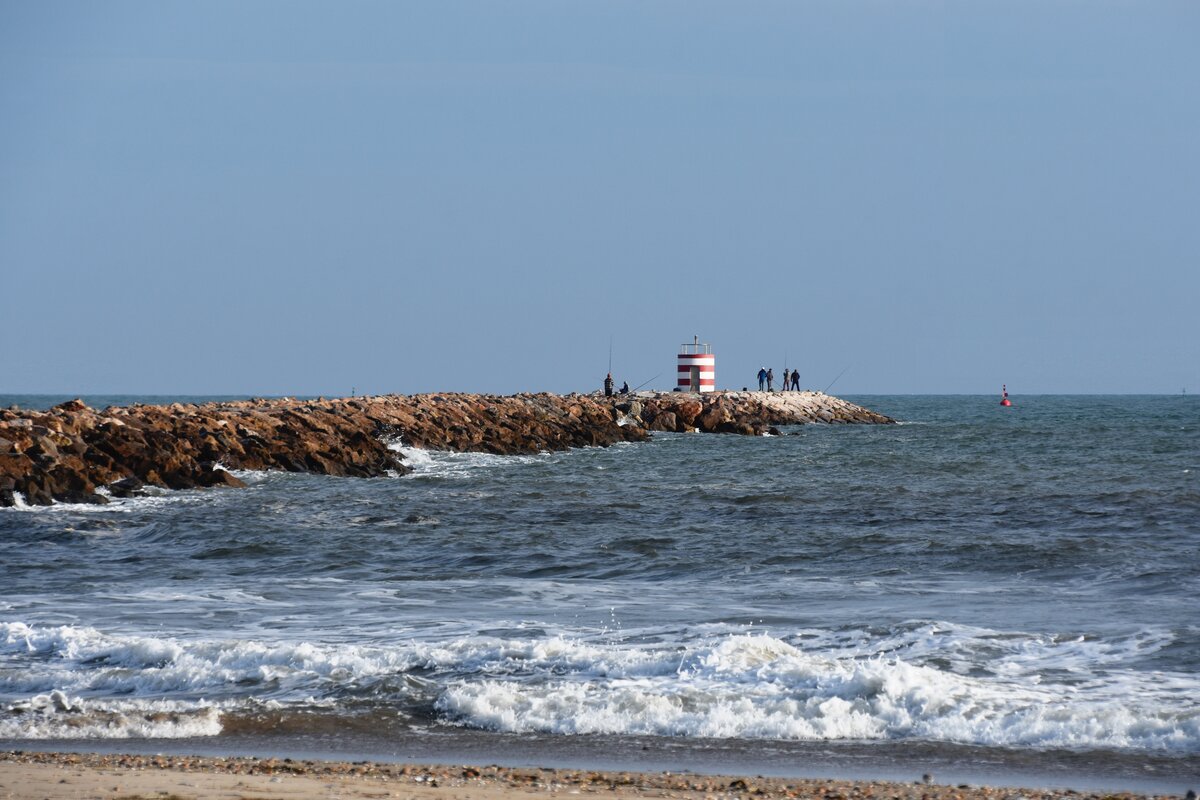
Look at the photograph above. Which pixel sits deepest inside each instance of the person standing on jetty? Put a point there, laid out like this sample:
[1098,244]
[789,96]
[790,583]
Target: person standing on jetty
[608,385]
[795,380]
[770,380]
[762,378]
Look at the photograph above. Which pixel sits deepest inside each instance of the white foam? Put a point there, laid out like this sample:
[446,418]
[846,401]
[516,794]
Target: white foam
[761,687]
[79,658]
[444,464]
[920,680]
[154,497]
[58,716]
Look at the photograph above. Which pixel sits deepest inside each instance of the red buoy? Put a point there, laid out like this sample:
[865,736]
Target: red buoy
[1004,401]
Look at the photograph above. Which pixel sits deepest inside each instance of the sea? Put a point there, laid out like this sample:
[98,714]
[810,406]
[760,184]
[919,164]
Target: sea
[987,594]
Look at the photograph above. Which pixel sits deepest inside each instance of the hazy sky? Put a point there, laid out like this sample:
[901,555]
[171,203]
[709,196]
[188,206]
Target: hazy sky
[298,198]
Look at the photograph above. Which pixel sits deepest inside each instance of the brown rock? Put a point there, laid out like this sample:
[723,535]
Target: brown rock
[687,410]
[72,406]
[714,416]
[125,487]
[665,421]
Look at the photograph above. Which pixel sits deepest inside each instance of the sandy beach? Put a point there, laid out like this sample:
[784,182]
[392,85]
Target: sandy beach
[73,776]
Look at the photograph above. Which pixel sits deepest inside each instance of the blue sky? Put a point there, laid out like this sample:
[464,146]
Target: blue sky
[300,198]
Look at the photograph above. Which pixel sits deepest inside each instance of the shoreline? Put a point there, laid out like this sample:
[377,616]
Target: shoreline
[1099,771]
[53,774]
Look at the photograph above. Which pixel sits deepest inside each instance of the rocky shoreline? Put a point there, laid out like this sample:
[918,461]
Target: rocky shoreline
[76,454]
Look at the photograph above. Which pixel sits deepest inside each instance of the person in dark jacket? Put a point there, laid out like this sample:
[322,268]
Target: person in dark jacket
[608,385]
[762,379]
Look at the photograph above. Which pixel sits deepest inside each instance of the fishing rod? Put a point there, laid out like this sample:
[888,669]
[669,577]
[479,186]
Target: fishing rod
[640,385]
[835,380]
[610,354]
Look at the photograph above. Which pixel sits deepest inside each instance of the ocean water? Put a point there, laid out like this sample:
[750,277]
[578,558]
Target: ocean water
[977,587]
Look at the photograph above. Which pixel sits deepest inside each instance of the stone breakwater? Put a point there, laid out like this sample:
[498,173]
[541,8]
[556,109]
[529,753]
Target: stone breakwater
[747,413]
[73,453]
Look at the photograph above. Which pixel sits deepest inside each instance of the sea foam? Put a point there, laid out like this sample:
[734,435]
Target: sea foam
[443,464]
[761,687]
[65,680]
[58,716]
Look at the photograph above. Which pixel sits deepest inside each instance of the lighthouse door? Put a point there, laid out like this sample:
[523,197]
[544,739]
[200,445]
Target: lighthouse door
[695,379]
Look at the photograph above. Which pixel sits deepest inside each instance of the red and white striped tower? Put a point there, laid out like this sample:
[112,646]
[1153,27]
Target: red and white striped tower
[697,370]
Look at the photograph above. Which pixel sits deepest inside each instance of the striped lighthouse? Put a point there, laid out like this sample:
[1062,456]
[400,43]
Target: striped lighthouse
[697,370]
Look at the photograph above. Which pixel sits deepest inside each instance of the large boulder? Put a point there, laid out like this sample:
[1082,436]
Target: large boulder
[75,406]
[687,410]
[665,421]
[714,416]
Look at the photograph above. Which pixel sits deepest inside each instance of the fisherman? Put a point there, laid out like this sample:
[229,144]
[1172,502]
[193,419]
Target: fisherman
[608,386]
[770,380]
[784,385]
[625,387]
[762,378]
[796,380]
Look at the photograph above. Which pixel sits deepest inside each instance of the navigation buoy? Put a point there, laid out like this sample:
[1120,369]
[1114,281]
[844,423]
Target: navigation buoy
[1004,401]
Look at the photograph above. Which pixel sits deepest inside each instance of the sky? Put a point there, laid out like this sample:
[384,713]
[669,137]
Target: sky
[299,198]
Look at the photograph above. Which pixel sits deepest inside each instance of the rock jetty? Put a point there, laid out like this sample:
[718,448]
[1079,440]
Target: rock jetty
[747,413]
[73,453]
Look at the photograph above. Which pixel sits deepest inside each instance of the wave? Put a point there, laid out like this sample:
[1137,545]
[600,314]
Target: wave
[758,687]
[151,498]
[445,464]
[84,659]
[58,716]
[920,680]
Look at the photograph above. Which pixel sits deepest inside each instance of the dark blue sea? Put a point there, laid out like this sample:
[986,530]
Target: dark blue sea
[981,592]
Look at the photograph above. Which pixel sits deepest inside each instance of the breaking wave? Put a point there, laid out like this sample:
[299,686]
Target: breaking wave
[444,464]
[920,681]
[758,687]
[58,716]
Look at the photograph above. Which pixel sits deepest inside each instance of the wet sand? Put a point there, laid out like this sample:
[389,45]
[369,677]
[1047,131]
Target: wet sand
[84,775]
